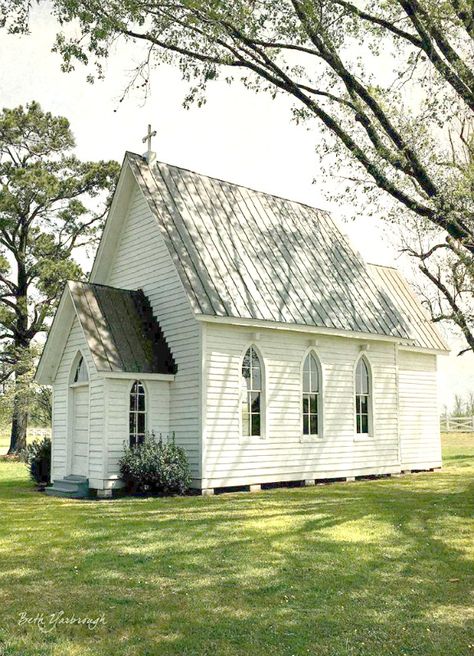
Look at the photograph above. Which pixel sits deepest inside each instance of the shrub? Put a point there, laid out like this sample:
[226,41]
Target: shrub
[155,467]
[37,457]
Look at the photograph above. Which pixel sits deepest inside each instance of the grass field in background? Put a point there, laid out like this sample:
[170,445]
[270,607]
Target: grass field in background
[371,568]
[4,438]
[5,441]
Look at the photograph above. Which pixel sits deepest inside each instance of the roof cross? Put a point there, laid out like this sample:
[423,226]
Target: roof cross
[149,154]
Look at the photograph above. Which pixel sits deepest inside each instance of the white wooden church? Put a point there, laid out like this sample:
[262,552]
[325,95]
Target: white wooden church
[246,325]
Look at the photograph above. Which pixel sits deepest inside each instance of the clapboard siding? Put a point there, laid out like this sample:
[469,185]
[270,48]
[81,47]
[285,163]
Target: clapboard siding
[419,421]
[189,243]
[281,454]
[118,395]
[61,400]
[143,261]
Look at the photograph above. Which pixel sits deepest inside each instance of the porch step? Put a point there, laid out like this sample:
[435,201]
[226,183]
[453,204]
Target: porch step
[70,487]
[76,478]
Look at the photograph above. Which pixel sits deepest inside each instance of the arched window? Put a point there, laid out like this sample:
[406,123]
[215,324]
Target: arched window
[362,398]
[251,394]
[81,374]
[137,413]
[311,396]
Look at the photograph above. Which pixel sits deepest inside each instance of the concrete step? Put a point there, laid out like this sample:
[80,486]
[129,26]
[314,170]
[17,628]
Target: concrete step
[72,487]
[66,486]
[72,484]
[75,478]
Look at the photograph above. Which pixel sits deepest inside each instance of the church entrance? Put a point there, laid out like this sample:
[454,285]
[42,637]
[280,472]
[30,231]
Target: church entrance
[80,430]
[79,418]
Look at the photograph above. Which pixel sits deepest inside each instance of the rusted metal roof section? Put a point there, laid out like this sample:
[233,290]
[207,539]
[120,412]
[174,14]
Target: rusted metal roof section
[245,254]
[120,329]
[422,330]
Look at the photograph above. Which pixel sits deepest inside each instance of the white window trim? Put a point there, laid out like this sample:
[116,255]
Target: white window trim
[72,373]
[254,439]
[132,376]
[320,436]
[70,409]
[130,388]
[362,437]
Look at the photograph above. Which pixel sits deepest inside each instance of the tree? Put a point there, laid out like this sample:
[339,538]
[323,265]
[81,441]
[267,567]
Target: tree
[41,412]
[35,399]
[391,83]
[48,208]
[470,404]
[463,405]
[459,406]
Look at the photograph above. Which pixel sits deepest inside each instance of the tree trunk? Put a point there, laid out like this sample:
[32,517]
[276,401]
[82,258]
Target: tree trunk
[19,422]
[21,348]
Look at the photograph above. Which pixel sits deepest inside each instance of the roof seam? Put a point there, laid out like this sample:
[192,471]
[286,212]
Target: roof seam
[243,253]
[173,216]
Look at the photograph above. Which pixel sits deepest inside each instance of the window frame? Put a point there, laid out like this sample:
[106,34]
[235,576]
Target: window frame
[263,396]
[137,412]
[78,359]
[311,437]
[370,400]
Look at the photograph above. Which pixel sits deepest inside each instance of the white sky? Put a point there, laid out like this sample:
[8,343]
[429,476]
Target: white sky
[237,136]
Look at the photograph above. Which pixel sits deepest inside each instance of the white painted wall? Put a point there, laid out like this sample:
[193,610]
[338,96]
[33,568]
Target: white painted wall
[419,418]
[205,397]
[118,402]
[62,400]
[80,430]
[108,416]
[143,261]
[282,455]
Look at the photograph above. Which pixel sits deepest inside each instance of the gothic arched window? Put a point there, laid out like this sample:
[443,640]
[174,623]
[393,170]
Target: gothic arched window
[81,375]
[137,414]
[363,400]
[251,394]
[311,396]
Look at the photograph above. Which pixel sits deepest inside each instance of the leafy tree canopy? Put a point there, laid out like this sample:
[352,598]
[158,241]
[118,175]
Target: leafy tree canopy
[391,83]
[51,203]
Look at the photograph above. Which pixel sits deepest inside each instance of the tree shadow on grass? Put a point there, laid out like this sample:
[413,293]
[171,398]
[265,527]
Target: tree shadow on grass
[376,567]
[463,458]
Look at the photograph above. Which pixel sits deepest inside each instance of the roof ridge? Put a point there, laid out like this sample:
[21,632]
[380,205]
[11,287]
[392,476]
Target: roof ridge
[383,266]
[235,184]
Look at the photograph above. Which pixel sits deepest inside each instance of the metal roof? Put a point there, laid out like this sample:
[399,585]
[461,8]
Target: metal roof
[421,328]
[246,254]
[120,330]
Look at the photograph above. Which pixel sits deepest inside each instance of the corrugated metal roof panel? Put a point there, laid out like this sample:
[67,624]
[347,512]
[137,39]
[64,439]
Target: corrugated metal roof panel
[245,254]
[422,330]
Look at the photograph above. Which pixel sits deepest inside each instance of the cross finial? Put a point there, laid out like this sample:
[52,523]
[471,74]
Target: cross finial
[149,154]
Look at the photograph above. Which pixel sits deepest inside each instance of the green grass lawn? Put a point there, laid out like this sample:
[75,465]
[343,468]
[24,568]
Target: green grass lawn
[353,569]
